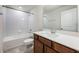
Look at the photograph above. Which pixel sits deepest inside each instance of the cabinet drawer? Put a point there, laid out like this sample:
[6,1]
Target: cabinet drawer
[62,49]
[45,41]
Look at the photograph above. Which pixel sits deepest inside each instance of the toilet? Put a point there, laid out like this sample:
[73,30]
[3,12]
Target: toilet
[28,44]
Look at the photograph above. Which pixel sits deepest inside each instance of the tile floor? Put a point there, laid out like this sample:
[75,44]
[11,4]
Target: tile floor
[20,49]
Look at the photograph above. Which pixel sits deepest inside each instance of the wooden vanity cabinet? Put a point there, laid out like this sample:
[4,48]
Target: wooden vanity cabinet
[45,41]
[49,50]
[44,45]
[38,46]
[62,49]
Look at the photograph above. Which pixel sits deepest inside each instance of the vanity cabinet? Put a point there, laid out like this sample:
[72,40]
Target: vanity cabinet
[45,41]
[48,50]
[38,46]
[44,45]
[61,48]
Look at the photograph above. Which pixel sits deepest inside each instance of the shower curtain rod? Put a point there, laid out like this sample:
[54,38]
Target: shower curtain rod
[16,9]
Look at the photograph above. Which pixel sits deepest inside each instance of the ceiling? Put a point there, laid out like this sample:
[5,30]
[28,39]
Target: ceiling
[27,8]
[48,8]
[22,7]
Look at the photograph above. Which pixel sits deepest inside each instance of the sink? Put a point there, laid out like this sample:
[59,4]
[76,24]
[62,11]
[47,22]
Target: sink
[50,34]
[53,35]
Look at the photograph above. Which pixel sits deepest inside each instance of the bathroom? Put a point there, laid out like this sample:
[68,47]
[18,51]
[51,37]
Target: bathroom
[19,22]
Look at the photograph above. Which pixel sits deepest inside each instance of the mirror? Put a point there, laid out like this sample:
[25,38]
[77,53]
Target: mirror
[60,17]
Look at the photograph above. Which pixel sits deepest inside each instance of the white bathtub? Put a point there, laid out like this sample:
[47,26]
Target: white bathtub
[15,40]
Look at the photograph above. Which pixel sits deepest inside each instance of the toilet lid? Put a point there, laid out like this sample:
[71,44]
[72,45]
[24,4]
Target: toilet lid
[28,40]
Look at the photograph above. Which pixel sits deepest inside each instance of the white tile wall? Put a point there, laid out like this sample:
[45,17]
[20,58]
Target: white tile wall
[1,29]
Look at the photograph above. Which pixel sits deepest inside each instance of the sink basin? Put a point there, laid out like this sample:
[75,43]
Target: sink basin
[53,35]
[49,34]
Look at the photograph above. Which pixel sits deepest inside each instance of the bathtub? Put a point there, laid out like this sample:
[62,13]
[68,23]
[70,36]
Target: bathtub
[14,40]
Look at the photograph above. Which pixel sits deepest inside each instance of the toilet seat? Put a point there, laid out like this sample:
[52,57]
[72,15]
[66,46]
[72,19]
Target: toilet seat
[28,41]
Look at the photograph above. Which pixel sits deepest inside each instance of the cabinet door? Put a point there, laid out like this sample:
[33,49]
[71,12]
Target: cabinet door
[48,50]
[62,49]
[45,41]
[38,46]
